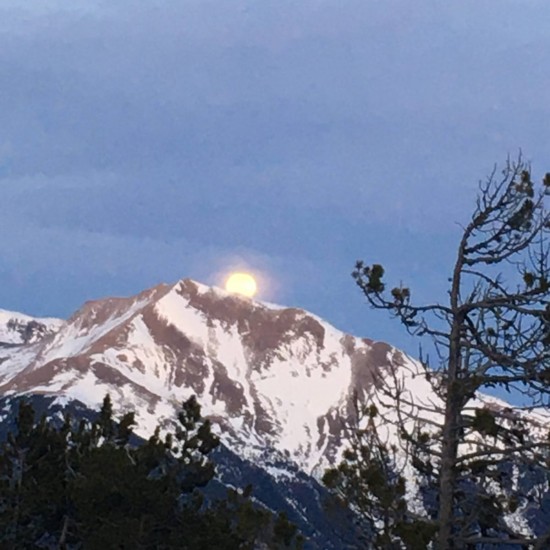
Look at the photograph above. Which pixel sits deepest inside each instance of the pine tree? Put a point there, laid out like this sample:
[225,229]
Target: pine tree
[480,462]
[86,485]
[370,479]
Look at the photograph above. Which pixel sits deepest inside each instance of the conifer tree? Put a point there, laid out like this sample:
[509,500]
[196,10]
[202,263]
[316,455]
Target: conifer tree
[369,477]
[481,461]
[90,485]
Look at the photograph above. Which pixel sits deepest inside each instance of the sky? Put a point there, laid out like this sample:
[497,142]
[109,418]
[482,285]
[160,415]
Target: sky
[145,142]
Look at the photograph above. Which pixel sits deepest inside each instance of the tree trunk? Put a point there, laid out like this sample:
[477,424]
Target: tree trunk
[451,422]
[447,478]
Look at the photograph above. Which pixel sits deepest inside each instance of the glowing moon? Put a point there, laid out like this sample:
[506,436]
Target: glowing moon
[241,283]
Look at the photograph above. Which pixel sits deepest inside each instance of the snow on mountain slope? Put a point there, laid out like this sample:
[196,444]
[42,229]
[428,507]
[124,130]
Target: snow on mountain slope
[272,377]
[17,328]
[20,338]
[278,381]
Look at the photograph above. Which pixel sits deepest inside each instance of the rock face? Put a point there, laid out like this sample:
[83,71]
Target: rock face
[273,378]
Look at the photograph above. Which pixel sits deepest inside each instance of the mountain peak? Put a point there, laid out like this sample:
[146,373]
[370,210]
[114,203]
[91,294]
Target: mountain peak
[18,328]
[271,376]
[281,385]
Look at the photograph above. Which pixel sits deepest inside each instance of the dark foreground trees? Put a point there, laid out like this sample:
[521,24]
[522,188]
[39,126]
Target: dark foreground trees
[88,485]
[370,480]
[478,461]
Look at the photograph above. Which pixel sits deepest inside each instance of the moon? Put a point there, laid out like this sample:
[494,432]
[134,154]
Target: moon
[241,283]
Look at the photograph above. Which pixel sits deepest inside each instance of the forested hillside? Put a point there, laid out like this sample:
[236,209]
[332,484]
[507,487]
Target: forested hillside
[94,485]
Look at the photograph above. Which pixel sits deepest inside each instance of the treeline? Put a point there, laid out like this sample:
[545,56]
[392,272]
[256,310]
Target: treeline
[94,485]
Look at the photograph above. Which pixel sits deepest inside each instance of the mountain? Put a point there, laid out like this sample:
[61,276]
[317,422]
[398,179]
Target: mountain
[17,328]
[280,383]
[277,381]
[272,377]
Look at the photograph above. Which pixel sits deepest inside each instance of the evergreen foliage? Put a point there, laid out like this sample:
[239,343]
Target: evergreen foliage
[85,485]
[369,479]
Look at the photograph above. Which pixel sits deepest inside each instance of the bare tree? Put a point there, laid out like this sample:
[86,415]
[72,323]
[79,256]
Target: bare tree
[493,331]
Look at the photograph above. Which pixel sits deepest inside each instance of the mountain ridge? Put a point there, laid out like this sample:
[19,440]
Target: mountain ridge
[228,349]
[280,384]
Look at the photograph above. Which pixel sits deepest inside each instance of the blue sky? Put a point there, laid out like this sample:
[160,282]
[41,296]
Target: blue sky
[146,142]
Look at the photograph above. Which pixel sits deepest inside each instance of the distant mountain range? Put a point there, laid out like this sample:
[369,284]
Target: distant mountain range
[280,383]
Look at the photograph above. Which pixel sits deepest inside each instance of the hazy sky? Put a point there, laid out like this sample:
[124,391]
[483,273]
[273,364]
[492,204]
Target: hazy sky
[149,141]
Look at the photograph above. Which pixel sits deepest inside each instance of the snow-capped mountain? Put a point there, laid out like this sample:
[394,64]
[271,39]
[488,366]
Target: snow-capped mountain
[273,378]
[280,383]
[17,328]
